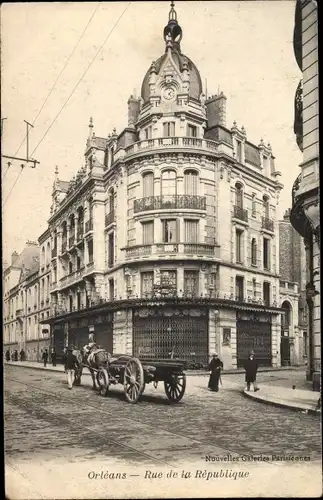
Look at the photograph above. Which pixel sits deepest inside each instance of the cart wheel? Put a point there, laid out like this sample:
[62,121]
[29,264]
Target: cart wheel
[134,380]
[102,378]
[175,387]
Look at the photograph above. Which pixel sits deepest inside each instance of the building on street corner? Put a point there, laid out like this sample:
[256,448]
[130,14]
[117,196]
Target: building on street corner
[305,213]
[166,241]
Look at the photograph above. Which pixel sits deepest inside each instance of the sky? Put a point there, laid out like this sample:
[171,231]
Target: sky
[243,48]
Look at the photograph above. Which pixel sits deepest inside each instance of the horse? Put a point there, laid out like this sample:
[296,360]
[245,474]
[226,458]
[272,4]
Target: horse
[92,358]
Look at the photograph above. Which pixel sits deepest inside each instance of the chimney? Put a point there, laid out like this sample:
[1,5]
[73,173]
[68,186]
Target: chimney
[30,243]
[133,110]
[216,110]
[14,257]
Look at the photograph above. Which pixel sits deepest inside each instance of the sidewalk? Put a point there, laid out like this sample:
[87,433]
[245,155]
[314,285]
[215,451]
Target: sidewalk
[60,367]
[304,400]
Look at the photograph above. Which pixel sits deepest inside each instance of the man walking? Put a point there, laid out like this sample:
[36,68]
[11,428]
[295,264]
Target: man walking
[251,367]
[70,364]
[53,356]
[45,357]
[215,367]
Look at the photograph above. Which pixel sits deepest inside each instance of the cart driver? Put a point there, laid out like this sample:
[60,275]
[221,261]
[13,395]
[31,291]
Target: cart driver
[88,348]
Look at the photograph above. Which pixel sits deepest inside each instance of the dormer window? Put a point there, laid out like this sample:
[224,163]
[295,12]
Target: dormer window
[191,130]
[239,151]
[169,129]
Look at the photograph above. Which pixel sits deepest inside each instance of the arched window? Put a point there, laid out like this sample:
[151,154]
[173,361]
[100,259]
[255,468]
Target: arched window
[253,252]
[42,263]
[168,183]
[190,182]
[266,207]
[239,195]
[148,184]
[286,315]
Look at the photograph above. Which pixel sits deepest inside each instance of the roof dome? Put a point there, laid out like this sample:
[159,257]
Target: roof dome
[172,36]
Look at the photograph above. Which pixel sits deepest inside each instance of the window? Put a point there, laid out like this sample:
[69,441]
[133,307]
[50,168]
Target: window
[239,288]
[239,150]
[239,196]
[70,267]
[253,206]
[168,183]
[239,246]
[111,289]
[78,263]
[266,207]
[148,184]
[192,131]
[191,282]
[169,129]
[147,283]
[168,278]
[253,252]
[266,253]
[111,250]
[78,301]
[254,289]
[148,233]
[90,250]
[266,293]
[191,231]
[111,200]
[148,132]
[170,230]
[190,182]
[70,303]
[286,316]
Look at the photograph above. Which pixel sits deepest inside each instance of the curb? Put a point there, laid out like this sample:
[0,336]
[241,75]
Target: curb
[310,411]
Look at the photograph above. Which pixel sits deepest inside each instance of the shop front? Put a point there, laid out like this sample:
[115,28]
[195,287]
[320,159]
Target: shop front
[171,332]
[254,332]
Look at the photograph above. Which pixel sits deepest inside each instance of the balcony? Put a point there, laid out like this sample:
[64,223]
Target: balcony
[88,225]
[110,218]
[189,202]
[171,143]
[240,213]
[54,252]
[72,278]
[71,241]
[179,250]
[267,224]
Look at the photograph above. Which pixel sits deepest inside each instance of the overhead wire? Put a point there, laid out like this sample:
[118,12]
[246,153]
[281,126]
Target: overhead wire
[70,95]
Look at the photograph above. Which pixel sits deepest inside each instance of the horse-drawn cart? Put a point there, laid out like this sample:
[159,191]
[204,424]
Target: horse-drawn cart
[134,374]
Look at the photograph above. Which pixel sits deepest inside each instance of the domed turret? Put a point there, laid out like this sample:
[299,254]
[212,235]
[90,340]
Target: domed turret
[185,67]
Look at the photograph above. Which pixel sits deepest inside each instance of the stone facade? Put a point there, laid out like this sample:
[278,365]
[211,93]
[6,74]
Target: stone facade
[305,214]
[166,242]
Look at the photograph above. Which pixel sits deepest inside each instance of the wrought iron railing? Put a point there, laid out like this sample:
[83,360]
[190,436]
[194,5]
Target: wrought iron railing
[164,142]
[295,187]
[110,217]
[298,115]
[191,202]
[267,224]
[89,225]
[198,249]
[240,213]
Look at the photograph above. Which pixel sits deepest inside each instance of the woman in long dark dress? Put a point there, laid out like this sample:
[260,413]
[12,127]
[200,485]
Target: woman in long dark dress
[215,367]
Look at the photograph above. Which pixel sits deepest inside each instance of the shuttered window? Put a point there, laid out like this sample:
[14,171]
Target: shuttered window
[170,230]
[190,182]
[169,129]
[147,233]
[191,231]
[148,184]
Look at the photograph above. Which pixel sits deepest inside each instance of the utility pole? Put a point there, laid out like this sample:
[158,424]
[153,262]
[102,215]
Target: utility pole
[17,158]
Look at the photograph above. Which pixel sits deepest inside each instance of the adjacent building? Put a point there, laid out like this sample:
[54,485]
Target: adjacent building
[305,213]
[166,242]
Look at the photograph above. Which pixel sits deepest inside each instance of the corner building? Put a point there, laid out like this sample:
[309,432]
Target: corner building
[166,243]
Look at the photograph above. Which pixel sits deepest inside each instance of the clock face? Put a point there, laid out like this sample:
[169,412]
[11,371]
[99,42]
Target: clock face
[169,94]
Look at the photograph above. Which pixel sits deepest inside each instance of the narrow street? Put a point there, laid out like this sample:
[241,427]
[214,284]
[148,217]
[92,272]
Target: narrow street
[47,424]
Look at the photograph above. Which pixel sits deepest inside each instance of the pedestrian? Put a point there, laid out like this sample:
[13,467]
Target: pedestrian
[45,357]
[7,355]
[251,367]
[22,355]
[70,364]
[15,356]
[215,368]
[53,356]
